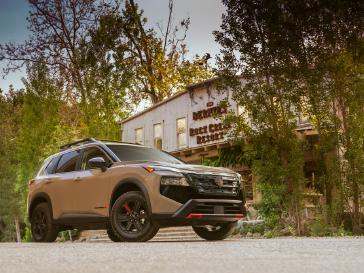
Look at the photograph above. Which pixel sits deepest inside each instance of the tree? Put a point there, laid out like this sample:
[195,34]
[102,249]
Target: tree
[253,46]
[335,54]
[58,30]
[312,51]
[157,61]
[46,122]
[62,40]
[10,115]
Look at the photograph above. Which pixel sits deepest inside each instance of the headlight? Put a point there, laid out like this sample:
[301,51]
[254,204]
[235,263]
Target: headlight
[174,181]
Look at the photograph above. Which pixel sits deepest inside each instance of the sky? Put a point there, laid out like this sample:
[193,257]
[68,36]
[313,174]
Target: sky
[205,17]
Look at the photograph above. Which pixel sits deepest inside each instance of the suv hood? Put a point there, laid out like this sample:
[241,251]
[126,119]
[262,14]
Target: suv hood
[184,168]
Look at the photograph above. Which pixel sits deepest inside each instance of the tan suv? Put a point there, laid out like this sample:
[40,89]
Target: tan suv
[131,191]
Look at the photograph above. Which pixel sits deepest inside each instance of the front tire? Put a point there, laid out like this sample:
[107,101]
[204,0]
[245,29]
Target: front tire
[112,235]
[215,232]
[130,218]
[43,230]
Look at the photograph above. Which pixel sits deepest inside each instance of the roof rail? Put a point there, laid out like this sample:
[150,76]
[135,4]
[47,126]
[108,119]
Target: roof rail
[116,141]
[84,140]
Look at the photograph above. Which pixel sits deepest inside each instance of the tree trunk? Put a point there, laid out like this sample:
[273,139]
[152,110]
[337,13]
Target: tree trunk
[17,229]
[356,209]
[328,200]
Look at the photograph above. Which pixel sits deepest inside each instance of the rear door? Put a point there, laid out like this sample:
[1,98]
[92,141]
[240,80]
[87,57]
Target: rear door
[59,183]
[91,187]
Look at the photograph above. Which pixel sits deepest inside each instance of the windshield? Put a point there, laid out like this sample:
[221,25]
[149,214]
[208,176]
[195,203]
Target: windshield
[136,153]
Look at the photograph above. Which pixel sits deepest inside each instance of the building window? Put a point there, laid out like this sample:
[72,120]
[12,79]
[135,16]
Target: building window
[139,136]
[158,136]
[181,133]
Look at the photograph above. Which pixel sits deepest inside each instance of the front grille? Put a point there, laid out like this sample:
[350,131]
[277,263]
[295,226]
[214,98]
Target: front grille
[183,194]
[206,184]
[217,208]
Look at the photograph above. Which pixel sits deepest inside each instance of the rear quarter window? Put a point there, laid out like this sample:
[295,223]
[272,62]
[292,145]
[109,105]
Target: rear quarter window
[48,166]
[68,162]
[50,169]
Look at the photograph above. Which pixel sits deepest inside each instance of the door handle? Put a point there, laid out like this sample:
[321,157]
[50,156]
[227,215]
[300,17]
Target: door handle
[78,178]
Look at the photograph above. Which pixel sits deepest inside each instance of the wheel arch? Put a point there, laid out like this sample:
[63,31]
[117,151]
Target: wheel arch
[126,185]
[38,198]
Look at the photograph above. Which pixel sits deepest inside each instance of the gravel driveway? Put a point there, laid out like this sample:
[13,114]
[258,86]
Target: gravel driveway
[245,255]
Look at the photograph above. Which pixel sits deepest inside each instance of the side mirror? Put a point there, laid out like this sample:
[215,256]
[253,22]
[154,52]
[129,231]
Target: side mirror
[97,163]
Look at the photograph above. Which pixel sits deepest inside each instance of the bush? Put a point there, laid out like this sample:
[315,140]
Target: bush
[27,235]
[65,235]
[248,228]
[319,229]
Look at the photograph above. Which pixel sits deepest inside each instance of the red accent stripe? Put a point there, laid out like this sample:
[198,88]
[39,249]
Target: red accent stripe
[128,209]
[199,216]
[194,215]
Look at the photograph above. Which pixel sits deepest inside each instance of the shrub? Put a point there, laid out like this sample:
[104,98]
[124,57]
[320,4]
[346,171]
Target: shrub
[319,229]
[27,235]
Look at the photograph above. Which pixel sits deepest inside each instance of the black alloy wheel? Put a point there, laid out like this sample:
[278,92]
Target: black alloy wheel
[41,224]
[130,218]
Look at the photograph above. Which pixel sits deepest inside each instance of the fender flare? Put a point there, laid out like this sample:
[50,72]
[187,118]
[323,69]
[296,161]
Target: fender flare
[134,182]
[42,195]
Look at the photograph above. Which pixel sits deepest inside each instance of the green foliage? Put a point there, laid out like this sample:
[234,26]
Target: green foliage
[42,128]
[259,228]
[65,235]
[27,235]
[155,60]
[319,228]
[10,116]
[294,59]
[239,154]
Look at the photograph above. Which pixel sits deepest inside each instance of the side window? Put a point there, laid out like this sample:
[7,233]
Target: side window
[91,153]
[68,162]
[52,165]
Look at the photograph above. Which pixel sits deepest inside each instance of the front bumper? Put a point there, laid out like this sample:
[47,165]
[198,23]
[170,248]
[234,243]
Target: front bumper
[203,211]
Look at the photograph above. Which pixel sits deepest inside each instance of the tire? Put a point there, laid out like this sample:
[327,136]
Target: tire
[130,218]
[112,235]
[43,230]
[215,232]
